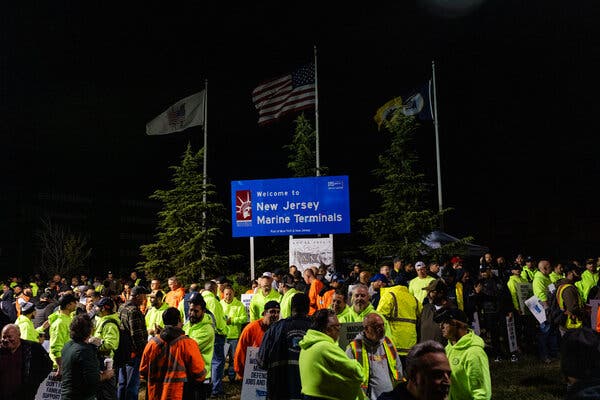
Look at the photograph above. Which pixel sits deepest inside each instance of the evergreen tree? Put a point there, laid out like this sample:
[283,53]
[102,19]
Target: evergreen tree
[187,227]
[404,217]
[303,154]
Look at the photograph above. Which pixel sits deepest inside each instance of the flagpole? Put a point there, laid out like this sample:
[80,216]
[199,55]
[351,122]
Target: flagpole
[317,152]
[437,145]
[205,144]
[204,170]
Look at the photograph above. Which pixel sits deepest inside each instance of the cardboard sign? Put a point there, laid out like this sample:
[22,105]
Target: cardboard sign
[254,386]
[511,334]
[49,389]
[524,291]
[348,332]
[537,308]
[594,317]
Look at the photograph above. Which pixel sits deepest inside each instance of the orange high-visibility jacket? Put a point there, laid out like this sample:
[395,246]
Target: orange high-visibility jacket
[167,365]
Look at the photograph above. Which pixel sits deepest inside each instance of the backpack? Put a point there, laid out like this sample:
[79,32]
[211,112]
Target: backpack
[554,314]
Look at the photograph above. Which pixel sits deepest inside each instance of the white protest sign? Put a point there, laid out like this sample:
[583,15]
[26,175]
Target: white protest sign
[49,389]
[511,334]
[348,331]
[246,298]
[308,252]
[537,308]
[254,386]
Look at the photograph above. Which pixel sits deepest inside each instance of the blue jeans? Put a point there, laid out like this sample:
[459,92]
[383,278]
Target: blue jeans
[231,353]
[547,341]
[218,363]
[129,379]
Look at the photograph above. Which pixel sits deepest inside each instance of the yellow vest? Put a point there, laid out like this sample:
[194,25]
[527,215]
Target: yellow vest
[362,357]
[400,308]
[572,321]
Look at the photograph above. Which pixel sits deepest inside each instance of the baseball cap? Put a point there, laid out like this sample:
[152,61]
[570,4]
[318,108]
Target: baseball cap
[379,277]
[137,290]
[27,308]
[337,278]
[221,279]
[456,259]
[528,259]
[271,304]
[105,302]
[447,314]
[267,274]
[419,265]
[437,285]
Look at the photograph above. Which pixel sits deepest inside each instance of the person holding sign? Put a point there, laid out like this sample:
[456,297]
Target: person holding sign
[382,368]
[252,335]
[319,352]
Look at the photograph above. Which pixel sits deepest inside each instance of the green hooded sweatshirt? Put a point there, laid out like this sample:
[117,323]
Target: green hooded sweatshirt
[470,369]
[325,369]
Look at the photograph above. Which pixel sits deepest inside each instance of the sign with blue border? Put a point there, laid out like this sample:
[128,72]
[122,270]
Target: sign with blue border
[292,206]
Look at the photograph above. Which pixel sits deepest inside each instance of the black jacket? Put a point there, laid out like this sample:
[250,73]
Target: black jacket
[35,367]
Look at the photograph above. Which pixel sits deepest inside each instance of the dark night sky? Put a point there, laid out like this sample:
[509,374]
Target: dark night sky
[516,94]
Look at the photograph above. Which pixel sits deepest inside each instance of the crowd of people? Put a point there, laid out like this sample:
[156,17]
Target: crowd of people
[426,331]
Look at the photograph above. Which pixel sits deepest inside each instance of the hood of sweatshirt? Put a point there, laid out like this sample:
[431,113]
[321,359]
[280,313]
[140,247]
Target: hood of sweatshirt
[469,340]
[312,336]
[170,333]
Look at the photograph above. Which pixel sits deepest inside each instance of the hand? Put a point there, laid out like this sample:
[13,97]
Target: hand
[46,324]
[95,341]
[57,375]
[107,374]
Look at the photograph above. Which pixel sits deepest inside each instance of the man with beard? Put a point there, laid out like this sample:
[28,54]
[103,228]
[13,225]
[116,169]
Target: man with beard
[253,333]
[569,299]
[361,307]
[279,351]
[25,364]
[338,304]
[467,357]
[427,372]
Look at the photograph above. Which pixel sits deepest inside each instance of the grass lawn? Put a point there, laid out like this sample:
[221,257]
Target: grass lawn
[528,379]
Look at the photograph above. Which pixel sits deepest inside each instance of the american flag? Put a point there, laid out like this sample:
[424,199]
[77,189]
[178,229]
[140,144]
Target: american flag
[279,96]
